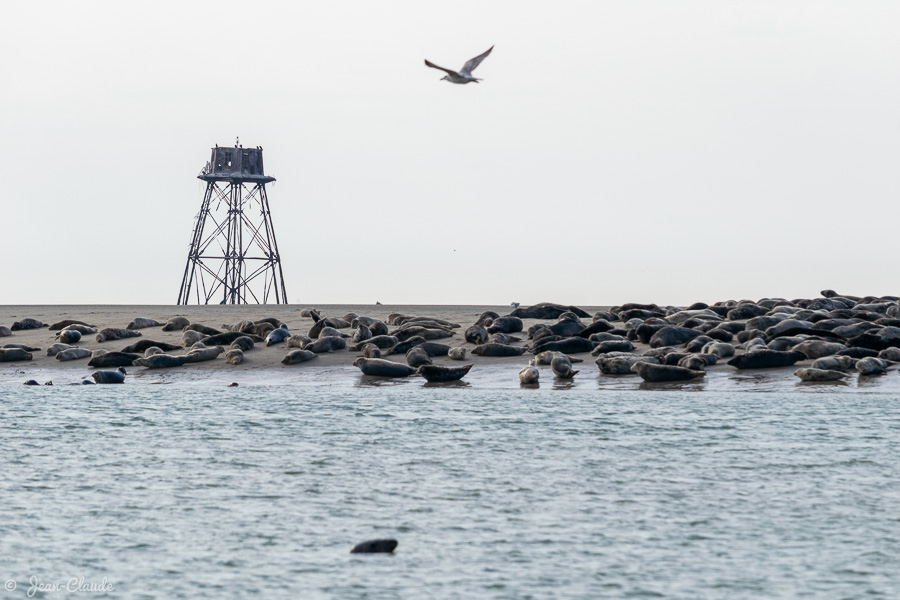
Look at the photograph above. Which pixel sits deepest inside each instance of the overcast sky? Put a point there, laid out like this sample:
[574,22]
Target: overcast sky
[650,151]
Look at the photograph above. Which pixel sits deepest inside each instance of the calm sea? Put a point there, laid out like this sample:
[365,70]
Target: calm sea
[189,491]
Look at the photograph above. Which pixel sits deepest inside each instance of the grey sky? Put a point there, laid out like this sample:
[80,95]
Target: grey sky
[662,152]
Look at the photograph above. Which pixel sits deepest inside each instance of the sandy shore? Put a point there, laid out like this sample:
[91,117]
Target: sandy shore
[262,365]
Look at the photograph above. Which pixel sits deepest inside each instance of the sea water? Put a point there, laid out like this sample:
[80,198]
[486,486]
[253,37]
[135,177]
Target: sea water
[260,491]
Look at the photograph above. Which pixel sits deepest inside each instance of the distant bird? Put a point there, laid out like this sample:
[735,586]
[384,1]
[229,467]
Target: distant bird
[465,74]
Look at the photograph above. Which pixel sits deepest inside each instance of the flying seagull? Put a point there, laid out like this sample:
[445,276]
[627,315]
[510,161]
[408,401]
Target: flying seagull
[465,74]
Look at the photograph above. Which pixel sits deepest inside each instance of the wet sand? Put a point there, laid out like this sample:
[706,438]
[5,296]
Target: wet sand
[262,365]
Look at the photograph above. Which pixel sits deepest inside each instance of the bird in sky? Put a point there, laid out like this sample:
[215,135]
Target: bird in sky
[465,74]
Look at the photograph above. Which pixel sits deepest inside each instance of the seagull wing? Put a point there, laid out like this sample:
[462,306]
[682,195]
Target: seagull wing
[434,66]
[470,66]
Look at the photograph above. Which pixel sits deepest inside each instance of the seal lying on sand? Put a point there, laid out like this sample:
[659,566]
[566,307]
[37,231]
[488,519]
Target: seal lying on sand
[113,359]
[438,373]
[111,333]
[380,367]
[13,354]
[297,356]
[161,361]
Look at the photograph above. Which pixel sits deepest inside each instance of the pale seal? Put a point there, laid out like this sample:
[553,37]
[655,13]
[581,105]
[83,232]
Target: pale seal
[189,338]
[111,333]
[176,324]
[529,374]
[457,353]
[73,354]
[141,323]
[205,354]
[56,349]
[817,375]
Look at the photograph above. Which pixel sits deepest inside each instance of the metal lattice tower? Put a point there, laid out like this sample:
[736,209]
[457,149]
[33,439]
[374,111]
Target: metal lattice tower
[234,256]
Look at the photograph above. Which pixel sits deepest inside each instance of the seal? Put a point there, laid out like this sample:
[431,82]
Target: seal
[73,354]
[441,374]
[506,325]
[612,346]
[66,322]
[572,345]
[544,358]
[424,332]
[435,349]
[161,361]
[297,356]
[403,347]
[835,363]
[204,329]
[14,354]
[117,376]
[659,373]
[298,340]
[82,329]
[27,324]
[144,344]
[141,323]
[235,356]
[276,336]
[5,331]
[765,359]
[361,334]
[457,353]
[547,310]
[814,349]
[672,336]
[720,349]
[330,332]
[497,350]
[374,546]
[24,347]
[153,350]
[562,366]
[817,375]
[56,349]
[502,338]
[69,336]
[476,334]
[371,351]
[621,365]
[416,357]
[872,366]
[176,324]
[110,334]
[530,374]
[228,337]
[204,354]
[379,367]
[383,342]
[239,326]
[189,338]
[326,344]
[244,343]
[113,359]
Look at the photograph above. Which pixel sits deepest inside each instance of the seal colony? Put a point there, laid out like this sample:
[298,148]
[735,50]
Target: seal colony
[832,339]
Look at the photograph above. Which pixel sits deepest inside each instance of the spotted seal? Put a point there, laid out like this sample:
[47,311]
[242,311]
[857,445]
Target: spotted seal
[562,366]
[529,374]
[111,333]
[457,353]
[235,356]
[142,323]
[73,354]
[15,354]
[69,336]
[176,324]
[817,375]
[297,356]
[380,367]
[660,373]
[371,351]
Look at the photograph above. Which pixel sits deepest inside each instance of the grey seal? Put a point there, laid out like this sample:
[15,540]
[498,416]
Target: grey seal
[457,353]
[621,365]
[476,334]
[161,361]
[659,373]
[380,367]
[117,376]
[297,356]
[228,337]
[244,343]
[204,329]
[73,354]
[819,375]
[27,324]
[66,322]
[69,336]
[276,336]
[235,356]
[204,354]
[497,350]
[440,373]
[113,359]
[326,344]
[562,366]
[371,351]
[383,342]
[111,333]
[82,329]
[765,359]
[529,374]
[176,324]
[374,546]
[141,323]
[872,366]
[416,357]
[403,347]
[14,354]
[144,344]
[56,349]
